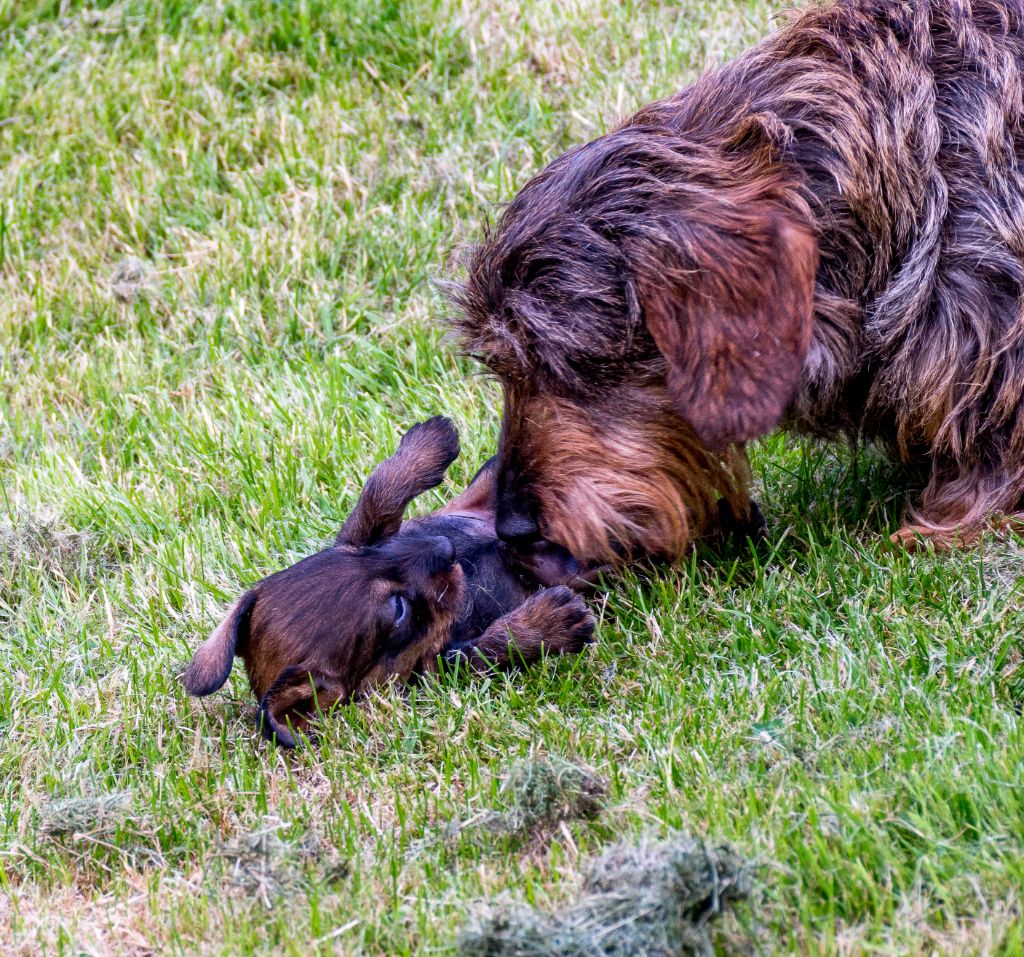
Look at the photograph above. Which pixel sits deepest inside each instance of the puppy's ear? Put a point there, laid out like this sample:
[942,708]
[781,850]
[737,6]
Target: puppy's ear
[733,321]
[294,699]
[479,494]
[211,664]
[419,464]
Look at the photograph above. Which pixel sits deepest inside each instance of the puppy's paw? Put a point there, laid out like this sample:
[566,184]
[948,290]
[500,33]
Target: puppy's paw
[566,623]
[910,538]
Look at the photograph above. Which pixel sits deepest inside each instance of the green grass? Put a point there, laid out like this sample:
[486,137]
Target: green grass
[295,174]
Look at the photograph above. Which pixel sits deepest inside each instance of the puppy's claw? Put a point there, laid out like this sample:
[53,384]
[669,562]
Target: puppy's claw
[569,625]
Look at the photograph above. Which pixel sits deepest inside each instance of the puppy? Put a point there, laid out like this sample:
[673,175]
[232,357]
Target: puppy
[826,233]
[393,600]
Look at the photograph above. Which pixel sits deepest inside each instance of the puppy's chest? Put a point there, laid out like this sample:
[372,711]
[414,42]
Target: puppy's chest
[491,592]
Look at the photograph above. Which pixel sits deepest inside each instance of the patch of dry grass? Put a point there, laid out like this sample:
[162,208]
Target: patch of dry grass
[643,900]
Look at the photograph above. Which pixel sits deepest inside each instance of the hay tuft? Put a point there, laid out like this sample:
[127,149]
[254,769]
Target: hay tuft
[648,900]
[101,830]
[536,795]
[540,792]
[90,815]
[39,540]
[129,279]
[261,863]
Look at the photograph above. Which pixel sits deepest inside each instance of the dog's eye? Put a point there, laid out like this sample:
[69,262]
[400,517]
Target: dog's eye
[399,608]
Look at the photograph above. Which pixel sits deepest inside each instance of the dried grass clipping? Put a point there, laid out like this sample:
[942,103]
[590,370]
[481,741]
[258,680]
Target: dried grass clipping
[99,814]
[647,900]
[540,792]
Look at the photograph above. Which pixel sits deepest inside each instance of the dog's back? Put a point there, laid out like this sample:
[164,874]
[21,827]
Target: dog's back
[906,130]
[909,140]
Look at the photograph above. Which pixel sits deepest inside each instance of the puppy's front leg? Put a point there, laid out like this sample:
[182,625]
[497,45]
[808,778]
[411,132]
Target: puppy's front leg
[554,621]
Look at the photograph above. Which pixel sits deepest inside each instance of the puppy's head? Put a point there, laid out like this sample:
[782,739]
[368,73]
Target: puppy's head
[646,304]
[336,624]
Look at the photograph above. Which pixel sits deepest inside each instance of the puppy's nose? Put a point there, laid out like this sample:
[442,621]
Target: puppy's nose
[442,549]
[517,528]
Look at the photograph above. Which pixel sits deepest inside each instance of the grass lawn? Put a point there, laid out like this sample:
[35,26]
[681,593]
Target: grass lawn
[293,174]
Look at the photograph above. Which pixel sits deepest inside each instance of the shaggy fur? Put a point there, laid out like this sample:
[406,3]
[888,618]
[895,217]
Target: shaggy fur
[827,232]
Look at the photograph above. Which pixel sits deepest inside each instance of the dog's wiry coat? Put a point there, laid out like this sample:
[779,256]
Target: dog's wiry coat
[828,232]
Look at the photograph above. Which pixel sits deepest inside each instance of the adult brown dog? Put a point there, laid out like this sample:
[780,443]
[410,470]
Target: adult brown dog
[827,232]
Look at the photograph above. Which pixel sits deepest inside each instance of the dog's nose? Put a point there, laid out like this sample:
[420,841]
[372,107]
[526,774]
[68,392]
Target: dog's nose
[517,528]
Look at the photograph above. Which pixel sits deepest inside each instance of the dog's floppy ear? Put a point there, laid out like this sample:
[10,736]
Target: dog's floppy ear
[211,664]
[295,697]
[419,464]
[733,322]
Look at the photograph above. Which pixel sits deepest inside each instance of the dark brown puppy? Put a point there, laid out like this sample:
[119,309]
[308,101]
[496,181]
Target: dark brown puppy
[827,232]
[392,600]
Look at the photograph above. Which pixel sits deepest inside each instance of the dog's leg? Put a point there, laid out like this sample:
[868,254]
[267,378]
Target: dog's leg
[554,621]
[915,536]
[955,512]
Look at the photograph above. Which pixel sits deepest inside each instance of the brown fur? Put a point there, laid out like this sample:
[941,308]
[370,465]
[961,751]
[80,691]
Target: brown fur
[390,601]
[827,233]
[647,474]
[527,632]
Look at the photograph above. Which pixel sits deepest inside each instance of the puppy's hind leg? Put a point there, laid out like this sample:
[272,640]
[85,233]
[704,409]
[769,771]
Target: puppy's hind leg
[554,621]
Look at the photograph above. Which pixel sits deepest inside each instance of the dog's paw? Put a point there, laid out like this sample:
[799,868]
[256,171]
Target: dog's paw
[920,538]
[750,525]
[910,538]
[568,625]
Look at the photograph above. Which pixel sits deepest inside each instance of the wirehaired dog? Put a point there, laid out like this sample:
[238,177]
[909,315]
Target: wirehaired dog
[393,599]
[827,232]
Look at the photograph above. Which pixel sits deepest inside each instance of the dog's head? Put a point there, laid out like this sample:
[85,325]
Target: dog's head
[646,304]
[378,604]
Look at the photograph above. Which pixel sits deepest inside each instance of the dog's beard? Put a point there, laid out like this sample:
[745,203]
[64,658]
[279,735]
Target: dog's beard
[627,479]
